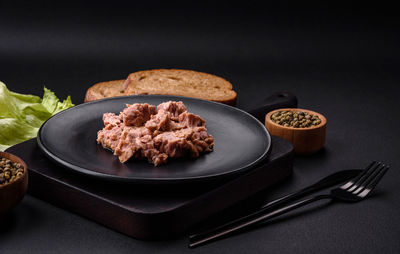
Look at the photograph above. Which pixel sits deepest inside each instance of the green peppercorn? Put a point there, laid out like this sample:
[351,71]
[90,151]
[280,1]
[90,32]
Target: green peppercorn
[295,119]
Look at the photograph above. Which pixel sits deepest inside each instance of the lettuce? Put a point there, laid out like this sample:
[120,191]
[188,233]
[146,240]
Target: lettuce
[21,115]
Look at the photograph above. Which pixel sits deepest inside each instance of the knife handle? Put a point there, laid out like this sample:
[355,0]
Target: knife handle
[277,100]
[197,240]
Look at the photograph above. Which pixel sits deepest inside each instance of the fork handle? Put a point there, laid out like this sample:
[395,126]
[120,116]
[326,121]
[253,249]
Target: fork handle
[246,222]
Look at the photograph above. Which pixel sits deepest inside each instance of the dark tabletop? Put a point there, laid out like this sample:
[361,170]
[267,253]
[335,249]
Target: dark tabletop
[341,61]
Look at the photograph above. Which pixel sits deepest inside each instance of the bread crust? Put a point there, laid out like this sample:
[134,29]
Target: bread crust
[224,88]
[223,94]
[97,91]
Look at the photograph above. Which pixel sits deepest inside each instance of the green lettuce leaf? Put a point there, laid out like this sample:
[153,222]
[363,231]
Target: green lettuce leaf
[21,115]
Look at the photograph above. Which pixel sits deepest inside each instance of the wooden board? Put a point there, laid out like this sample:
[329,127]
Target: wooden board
[148,212]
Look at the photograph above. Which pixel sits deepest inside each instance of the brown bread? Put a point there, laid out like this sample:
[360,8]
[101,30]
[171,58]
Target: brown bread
[182,83]
[167,82]
[105,89]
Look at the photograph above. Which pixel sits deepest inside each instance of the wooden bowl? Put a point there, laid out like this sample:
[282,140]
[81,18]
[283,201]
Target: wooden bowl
[12,193]
[305,140]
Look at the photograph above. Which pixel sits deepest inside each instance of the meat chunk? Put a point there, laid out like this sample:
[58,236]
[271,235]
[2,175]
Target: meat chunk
[111,118]
[167,119]
[137,114]
[131,141]
[172,145]
[161,121]
[173,107]
[141,131]
[191,141]
[109,136]
[191,120]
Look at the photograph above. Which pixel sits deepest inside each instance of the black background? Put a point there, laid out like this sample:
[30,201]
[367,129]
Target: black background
[341,60]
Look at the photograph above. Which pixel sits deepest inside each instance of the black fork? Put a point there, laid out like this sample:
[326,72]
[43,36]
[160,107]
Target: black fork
[353,191]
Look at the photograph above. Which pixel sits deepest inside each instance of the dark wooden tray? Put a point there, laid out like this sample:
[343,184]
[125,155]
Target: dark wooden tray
[148,212]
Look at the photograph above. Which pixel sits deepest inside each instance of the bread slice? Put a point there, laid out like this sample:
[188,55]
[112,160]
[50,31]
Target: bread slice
[105,89]
[181,83]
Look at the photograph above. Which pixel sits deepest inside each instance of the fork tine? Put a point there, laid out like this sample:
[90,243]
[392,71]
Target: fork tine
[373,182]
[367,180]
[366,171]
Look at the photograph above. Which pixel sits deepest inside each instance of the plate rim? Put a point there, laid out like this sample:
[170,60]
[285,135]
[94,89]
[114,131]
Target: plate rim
[115,178]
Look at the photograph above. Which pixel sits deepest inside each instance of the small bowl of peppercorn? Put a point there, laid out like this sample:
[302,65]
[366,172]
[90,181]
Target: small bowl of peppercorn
[305,129]
[13,181]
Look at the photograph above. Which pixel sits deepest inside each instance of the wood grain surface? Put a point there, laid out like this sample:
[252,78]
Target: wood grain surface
[148,212]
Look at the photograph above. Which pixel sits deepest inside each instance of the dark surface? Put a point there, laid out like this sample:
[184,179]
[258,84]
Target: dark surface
[341,61]
[240,142]
[145,211]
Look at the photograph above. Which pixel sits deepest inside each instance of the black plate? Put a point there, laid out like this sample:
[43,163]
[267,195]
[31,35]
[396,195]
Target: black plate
[69,138]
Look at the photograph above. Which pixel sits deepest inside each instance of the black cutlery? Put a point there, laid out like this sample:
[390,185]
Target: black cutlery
[353,190]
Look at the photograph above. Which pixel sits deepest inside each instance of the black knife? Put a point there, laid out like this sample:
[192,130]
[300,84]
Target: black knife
[329,181]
